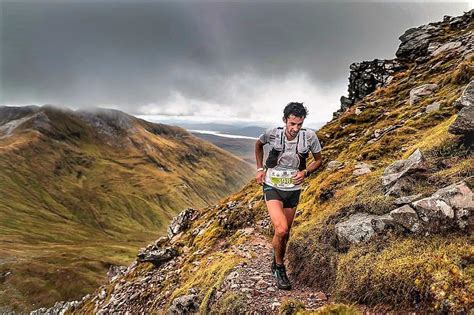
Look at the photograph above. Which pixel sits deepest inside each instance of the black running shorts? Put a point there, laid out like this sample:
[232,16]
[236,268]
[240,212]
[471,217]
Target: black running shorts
[290,199]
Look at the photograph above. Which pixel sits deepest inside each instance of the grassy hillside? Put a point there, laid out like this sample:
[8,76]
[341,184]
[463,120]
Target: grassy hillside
[80,191]
[395,270]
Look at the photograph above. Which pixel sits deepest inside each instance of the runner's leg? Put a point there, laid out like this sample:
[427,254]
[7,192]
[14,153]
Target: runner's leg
[289,215]
[280,224]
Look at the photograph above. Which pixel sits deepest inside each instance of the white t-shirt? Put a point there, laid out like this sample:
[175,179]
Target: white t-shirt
[281,175]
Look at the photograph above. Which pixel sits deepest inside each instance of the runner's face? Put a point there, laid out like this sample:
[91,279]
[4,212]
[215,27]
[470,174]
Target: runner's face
[293,125]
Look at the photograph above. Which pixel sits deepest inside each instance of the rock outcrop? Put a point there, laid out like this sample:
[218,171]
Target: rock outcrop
[464,123]
[397,177]
[419,45]
[361,227]
[447,209]
[157,256]
[182,221]
[427,39]
[366,76]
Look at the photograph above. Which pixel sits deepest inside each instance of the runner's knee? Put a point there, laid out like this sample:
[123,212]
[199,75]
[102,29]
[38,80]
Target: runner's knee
[281,231]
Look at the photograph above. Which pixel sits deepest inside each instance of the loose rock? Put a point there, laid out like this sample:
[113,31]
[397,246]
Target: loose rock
[420,91]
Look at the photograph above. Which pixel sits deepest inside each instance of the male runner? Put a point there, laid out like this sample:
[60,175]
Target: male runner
[282,175]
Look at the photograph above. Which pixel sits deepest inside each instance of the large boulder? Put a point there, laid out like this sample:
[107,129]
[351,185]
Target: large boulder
[464,123]
[361,227]
[436,214]
[460,197]
[467,97]
[415,42]
[407,217]
[457,195]
[402,187]
[448,208]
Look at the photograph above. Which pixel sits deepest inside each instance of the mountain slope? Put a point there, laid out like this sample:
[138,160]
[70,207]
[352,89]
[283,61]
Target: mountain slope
[386,224]
[81,190]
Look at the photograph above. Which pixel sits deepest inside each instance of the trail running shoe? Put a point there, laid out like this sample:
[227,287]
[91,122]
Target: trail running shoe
[281,278]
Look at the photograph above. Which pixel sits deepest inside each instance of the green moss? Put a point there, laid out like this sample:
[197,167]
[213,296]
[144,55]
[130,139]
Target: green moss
[291,306]
[209,275]
[209,236]
[231,303]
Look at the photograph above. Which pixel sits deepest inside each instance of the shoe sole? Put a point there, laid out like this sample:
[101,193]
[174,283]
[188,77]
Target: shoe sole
[281,287]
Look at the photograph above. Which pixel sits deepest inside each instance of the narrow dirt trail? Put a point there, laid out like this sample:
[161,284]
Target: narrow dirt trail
[254,280]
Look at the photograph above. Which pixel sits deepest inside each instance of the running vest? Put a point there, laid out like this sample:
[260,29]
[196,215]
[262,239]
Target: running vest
[302,148]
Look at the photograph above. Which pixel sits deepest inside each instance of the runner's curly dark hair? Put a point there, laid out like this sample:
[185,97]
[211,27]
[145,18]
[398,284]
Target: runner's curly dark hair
[295,108]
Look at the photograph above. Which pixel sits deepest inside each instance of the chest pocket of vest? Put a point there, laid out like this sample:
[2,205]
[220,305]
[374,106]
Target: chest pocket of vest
[302,149]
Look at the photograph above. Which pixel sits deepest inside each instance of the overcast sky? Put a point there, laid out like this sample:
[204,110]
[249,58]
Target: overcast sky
[231,60]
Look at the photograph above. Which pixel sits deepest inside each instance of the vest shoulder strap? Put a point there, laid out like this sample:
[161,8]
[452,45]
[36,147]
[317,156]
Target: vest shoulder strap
[302,141]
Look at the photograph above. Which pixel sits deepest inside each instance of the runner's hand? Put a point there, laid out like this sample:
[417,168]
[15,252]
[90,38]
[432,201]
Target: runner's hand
[298,178]
[260,177]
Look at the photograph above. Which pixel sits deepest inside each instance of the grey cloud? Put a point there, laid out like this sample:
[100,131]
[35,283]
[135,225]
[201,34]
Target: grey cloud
[135,53]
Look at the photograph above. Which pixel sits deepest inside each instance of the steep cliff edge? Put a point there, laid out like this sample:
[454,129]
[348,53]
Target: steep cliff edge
[386,223]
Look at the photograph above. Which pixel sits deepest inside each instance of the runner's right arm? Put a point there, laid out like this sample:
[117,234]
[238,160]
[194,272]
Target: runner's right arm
[260,176]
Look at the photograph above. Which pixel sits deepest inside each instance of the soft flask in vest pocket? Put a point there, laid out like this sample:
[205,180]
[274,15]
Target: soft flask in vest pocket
[272,159]
[278,147]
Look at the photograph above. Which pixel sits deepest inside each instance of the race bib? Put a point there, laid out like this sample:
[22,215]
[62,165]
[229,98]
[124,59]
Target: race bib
[282,178]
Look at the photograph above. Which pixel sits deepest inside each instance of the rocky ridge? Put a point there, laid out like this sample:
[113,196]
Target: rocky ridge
[419,45]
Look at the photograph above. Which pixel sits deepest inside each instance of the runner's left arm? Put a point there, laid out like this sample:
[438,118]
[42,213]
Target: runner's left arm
[316,163]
